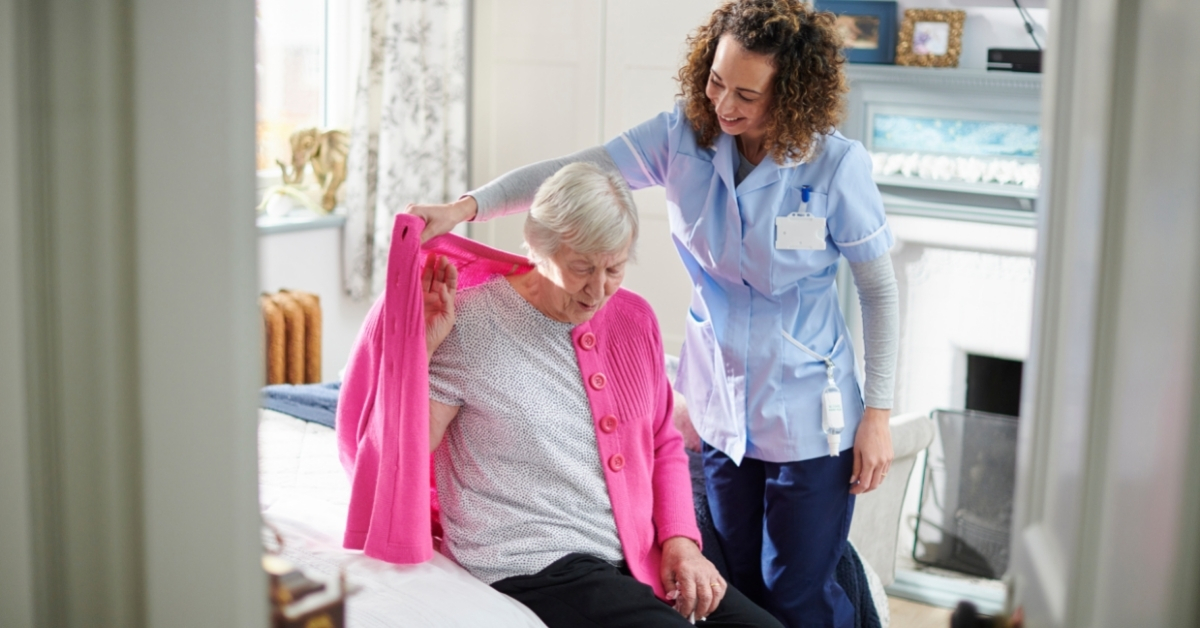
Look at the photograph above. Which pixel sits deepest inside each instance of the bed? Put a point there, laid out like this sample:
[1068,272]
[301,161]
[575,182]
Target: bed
[304,493]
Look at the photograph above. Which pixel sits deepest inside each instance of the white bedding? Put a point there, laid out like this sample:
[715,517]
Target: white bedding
[304,494]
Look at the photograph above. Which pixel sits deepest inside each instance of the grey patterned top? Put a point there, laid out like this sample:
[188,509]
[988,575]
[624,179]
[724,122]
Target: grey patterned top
[518,472]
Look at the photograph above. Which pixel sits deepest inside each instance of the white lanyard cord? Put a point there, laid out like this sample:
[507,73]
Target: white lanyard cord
[828,360]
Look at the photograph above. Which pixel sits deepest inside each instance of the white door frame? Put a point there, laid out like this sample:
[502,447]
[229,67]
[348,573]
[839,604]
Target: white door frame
[1109,465]
[16,578]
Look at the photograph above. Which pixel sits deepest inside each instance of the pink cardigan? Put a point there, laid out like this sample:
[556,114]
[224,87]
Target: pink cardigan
[383,413]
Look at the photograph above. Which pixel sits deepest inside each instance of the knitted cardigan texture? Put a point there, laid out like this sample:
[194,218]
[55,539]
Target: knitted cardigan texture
[383,413]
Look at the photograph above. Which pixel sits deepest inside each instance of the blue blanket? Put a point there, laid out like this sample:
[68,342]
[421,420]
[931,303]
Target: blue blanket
[312,402]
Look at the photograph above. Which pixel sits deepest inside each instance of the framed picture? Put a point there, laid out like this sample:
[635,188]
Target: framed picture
[868,28]
[930,38]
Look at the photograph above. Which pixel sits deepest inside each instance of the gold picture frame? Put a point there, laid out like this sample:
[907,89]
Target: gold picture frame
[930,38]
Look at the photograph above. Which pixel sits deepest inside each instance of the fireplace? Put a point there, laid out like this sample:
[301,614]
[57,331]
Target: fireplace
[993,384]
[966,317]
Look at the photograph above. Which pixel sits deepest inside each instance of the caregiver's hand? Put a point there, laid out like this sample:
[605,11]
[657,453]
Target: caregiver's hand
[439,283]
[441,219]
[687,575]
[872,451]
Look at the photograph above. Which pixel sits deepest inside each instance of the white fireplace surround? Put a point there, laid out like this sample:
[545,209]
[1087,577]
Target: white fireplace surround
[964,288]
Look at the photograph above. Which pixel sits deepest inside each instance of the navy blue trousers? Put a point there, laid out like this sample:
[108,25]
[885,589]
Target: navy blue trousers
[781,527]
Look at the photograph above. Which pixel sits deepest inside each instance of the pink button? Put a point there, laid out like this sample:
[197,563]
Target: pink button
[598,380]
[587,341]
[616,462]
[608,424]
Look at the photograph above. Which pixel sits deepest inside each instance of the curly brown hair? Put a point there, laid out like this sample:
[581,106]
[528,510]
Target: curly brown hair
[808,86]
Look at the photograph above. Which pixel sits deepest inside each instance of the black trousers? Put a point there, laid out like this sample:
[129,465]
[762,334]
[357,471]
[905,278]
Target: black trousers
[582,591]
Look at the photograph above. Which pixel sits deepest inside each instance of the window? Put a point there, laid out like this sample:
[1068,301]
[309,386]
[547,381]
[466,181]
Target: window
[290,73]
[304,71]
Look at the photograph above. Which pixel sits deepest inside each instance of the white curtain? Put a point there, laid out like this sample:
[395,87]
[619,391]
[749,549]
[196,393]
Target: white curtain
[408,141]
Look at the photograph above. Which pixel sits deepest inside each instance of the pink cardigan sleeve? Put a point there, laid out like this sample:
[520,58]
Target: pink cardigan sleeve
[674,510]
[383,410]
[383,415]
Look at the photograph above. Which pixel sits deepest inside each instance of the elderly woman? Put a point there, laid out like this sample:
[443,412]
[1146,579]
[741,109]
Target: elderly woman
[562,481]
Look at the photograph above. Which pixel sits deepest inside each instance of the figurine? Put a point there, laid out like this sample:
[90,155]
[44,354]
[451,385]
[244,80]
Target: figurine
[326,151]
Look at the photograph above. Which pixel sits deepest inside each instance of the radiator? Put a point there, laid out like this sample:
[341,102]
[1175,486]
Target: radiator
[292,330]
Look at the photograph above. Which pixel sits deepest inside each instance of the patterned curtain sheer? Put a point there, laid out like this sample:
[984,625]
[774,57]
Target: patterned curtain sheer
[408,141]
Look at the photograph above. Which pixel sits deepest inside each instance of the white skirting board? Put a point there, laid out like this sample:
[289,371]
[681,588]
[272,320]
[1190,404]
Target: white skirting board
[947,592]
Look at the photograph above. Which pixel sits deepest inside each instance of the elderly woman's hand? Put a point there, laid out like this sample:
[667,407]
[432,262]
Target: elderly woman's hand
[690,579]
[441,219]
[439,283]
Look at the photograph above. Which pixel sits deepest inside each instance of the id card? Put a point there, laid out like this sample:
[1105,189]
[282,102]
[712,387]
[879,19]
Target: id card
[796,232]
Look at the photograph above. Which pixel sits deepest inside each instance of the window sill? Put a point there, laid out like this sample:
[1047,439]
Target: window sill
[298,221]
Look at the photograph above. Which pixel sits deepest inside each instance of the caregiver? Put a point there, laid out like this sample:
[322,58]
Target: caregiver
[764,198]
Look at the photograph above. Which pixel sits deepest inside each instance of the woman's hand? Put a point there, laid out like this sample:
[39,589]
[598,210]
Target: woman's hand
[683,423]
[872,451]
[690,579]
[441,219]
[439,283]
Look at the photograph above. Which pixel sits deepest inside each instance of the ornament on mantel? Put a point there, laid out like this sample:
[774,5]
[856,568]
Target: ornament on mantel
[967,169]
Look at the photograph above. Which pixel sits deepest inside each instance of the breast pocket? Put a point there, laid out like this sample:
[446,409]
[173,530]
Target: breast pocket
[789,266]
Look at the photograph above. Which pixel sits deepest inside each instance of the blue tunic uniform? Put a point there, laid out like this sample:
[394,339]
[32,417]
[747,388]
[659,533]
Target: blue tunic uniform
[760,316]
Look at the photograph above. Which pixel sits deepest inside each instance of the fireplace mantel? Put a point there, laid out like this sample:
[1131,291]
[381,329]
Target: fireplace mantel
[948,79]
[952,94]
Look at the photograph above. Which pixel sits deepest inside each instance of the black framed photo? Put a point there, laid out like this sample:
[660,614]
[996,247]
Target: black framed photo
[868,28]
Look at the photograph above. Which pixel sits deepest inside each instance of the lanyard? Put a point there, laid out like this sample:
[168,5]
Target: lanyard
[832,419]
[828,360]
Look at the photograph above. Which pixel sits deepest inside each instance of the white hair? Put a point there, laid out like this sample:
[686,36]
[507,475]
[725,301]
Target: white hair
[584,208]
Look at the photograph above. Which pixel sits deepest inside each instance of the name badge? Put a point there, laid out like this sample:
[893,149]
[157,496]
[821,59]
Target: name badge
[796,232]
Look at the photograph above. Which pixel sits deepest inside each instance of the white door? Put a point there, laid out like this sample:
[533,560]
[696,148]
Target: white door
[1109,465]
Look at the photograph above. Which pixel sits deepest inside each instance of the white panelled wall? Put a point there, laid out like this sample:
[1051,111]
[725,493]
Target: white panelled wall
[551,77]
[535,90]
